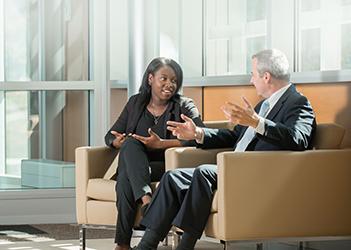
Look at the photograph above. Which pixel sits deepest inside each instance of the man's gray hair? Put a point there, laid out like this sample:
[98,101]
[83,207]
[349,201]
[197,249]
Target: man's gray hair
[273,61]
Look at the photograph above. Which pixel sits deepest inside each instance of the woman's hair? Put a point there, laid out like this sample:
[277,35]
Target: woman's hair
[152,68]
[274,62]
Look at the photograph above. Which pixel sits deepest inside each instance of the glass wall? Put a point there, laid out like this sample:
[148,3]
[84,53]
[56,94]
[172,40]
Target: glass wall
[45,40]
[180,36]
[236,29]
[63,124]
[216,38]
[324,28]
[42,43]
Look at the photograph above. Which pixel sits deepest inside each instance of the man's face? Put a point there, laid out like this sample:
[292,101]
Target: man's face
[261,83]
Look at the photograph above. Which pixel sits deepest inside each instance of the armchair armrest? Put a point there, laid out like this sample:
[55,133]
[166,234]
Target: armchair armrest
[187,157]
[284,194]
[91,162]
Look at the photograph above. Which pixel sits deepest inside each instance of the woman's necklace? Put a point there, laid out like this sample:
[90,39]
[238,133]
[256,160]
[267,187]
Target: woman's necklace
[152,112]
[156,118]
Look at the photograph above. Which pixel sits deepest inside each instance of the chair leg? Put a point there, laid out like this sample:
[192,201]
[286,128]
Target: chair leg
[259,246]
[82,231]
[225,244]
[165,241]
[175,239]
[301,245]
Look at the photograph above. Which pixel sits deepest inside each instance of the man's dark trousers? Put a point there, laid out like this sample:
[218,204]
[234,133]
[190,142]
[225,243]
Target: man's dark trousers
[183,199]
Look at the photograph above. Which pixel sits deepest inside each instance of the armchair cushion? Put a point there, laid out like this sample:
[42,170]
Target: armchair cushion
[101,189]
[187,157]
[104,190]
[214,207]
[328,136]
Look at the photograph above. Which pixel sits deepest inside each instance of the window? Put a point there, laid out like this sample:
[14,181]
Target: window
[235,30]
[61,117]
[45,41]
[216,38]
[310,50]
[178,21]
[324,38]
[41,41]
[346,46]
[119,40]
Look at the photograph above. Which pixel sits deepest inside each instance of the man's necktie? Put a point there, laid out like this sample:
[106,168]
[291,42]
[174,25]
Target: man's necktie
[250,131]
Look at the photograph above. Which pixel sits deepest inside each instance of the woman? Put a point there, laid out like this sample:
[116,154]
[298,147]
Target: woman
[141,135]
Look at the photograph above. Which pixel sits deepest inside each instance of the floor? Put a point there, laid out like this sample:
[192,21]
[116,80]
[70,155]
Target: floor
[92,244]
[65,236]
[203,244]
[107,244]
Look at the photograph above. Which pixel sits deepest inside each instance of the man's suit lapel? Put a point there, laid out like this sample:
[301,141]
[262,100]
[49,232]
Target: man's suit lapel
[280,103]
[272,114]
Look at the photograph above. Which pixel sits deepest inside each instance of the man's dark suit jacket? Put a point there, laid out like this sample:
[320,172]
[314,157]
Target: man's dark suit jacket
[290,125]
[129,118]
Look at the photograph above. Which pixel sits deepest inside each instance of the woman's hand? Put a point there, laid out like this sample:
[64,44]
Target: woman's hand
[183,130]
[153,141]
[119,139]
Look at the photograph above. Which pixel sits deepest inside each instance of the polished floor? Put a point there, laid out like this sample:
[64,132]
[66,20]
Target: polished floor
[92,244]
[65,236]
[203,244]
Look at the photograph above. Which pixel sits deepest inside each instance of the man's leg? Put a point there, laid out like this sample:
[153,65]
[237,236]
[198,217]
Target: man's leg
[190,191]
[164,206]
[196,206]
[167,200]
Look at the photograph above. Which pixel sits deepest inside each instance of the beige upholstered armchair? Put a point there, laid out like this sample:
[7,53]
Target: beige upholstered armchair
[95,190]
[274,195]
[95,196]
[95,193]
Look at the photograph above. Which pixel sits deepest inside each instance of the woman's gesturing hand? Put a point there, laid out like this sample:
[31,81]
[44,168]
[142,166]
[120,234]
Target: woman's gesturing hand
[153,141]
[119,139]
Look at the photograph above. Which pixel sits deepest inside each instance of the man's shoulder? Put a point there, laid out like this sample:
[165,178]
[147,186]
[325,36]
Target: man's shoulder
[293,95]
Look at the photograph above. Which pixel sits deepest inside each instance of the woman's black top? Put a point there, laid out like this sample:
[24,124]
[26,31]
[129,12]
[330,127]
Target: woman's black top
[136,119]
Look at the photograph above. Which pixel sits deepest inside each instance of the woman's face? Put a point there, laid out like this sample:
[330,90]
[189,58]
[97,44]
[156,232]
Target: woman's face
[163,83]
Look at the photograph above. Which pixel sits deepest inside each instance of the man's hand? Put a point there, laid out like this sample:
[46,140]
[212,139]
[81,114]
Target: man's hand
[153,141]
[119,139]
[245,116]
[183,130]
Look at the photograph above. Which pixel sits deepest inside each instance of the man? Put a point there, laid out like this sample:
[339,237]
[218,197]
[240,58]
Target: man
[283,121]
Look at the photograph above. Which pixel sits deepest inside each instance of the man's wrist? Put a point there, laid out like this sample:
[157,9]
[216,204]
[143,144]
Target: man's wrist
[260,126]
[199,134]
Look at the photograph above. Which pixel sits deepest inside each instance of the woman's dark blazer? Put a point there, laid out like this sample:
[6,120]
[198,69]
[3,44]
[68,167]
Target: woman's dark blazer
[128,120]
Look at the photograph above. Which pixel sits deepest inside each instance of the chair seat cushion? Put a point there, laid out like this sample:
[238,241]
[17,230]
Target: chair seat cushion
[104,190]
[101,189]
[214,207]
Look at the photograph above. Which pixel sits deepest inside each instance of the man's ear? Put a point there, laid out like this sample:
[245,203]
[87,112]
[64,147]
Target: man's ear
[267,76]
